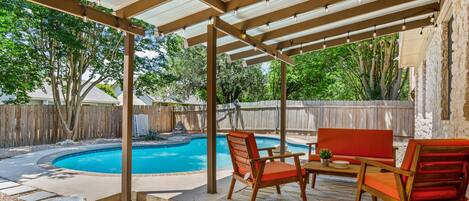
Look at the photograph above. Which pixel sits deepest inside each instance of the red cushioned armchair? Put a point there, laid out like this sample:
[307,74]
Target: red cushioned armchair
[431,170]
[259,172]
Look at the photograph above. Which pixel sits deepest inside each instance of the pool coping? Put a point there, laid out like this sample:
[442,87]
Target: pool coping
[46,162]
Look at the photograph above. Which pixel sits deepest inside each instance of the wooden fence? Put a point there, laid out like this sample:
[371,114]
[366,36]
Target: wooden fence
[31,125]
[304,116]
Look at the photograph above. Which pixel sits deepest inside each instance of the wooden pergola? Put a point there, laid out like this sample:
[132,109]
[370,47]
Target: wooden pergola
[255,31]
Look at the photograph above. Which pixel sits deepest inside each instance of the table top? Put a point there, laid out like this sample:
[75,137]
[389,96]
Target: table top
[316,166]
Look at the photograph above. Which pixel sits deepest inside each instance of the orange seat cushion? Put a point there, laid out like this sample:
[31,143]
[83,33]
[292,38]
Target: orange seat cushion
[353,159]
[280,170]
[386,183]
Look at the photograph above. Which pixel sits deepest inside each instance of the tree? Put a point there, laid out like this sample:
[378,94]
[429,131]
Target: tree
[185,75]
[373,70]
[314,76]
[107,89]
[18,76]
[75,55]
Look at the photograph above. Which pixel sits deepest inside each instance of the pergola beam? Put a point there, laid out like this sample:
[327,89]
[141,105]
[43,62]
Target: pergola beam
[77,9]
[217,5]
[417,11]
[201,16]
[343,40]
[316,22]
[211,109]
[284,13]
[127,111]
[249,40]
[138,7]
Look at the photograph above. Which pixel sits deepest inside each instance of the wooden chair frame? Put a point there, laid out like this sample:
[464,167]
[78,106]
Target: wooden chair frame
[256,183]
[405,192]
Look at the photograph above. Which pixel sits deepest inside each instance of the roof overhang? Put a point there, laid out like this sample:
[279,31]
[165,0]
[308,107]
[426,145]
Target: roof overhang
[270,29]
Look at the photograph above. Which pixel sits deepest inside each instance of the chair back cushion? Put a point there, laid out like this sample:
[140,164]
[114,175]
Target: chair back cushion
[356,142]
[243,148]
[441,162]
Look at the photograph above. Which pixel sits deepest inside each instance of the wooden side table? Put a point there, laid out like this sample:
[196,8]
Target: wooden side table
[315,167]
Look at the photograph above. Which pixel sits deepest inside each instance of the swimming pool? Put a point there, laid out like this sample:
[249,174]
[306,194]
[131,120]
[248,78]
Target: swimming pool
[159,159]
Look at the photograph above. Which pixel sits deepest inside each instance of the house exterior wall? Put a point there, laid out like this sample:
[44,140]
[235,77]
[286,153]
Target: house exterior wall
[430,87]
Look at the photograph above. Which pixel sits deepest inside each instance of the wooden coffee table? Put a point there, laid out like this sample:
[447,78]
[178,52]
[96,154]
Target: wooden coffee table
[315,167]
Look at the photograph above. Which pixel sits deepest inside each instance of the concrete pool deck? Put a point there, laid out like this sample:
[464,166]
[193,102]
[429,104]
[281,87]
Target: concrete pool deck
[28,170]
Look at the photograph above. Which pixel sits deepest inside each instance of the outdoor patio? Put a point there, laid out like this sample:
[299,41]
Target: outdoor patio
[430,127]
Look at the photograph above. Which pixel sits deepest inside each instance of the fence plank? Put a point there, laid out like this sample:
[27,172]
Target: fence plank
[22,125]
[307,116]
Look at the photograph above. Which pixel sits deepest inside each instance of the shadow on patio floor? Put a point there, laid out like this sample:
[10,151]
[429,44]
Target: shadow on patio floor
[327,189]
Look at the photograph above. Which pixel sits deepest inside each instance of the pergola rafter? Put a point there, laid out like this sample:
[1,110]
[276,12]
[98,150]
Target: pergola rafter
[249,40]
[343,40]
[217,5]
[405,14]
[316,22]
[202,16]
[288,12]
[77,9]
[138,7]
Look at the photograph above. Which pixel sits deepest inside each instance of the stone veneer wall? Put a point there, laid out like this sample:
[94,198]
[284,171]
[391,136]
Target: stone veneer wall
[458,125]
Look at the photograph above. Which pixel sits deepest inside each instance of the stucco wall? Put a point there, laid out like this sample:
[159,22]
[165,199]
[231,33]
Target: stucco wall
[428,100]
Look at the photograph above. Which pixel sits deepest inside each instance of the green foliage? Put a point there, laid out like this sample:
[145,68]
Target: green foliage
[18,76]
[185,75]
[325,154]
[107,89]
[315,76]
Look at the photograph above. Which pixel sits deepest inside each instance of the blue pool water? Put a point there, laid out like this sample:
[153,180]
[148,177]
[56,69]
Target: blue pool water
[160,159]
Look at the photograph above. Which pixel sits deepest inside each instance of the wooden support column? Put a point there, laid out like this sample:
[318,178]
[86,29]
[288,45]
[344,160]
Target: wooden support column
[211,108]
[127,117]
[283,107]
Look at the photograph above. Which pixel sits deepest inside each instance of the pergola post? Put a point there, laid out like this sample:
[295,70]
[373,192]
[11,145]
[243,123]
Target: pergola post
[127,107]
[211,108]
[283,107]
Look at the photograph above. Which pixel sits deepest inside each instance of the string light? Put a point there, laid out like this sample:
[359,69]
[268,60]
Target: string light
[326,8]
[243,35]
[359,1]
[348,37]
[184,30]
[85,17]
[236,12]
[255,48]
[324,43]
[374,32]
[267,2]
[421,31]
[281,51]
[209,21]
[432,18]
[371,45]
[295,17]
[436,26]
[301,48]
[403,25]
[268,25]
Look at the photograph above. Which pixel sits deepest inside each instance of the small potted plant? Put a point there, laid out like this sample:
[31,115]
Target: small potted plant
[325,155]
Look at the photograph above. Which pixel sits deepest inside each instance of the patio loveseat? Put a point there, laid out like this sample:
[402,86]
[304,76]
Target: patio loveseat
[348,144]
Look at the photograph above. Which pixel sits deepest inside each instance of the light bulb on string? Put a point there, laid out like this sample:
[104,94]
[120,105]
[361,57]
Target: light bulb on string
[326,8]
[348,37]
